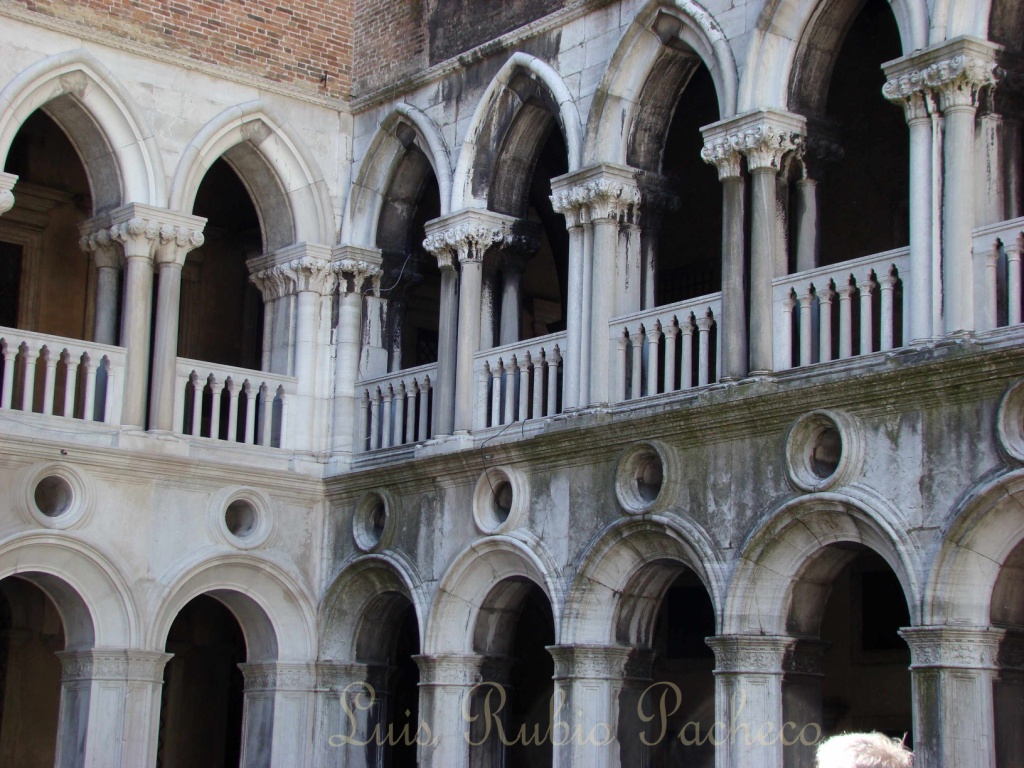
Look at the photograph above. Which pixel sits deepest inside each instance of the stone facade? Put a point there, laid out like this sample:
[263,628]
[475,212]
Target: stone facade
[542,425]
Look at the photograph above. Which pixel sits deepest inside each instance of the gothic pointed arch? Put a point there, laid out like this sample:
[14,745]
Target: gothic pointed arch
[111,136]
[508,129]
[274,611]
[470,579]
[786,565]
[284,182]
[650,68]
[406,130]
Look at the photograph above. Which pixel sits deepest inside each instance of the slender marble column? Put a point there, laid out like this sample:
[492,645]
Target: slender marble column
[567,202]
[106,257]
[175,243]
[489,324]
[512,265]
[448,328]
[137,237]
[471,266]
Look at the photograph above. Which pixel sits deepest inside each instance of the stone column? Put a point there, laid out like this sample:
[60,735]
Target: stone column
[952,675]
[446,683]
[920,109]
[489,320]
[109,708]
[1008,699]
[275,286]
[821,151]
[749,700]
[732,325]
[352,716]
[354,267]
[802,701]
[7,182]
[137,237]
[585,716]
[106,258]
[512,264]
[176,240]
[570,201]
[278,714]
[399,284]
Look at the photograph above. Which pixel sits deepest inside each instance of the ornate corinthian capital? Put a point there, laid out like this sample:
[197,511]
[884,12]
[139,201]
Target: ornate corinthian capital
[954,74]
[468,235]
[354,266]
[606,191]
[764,137]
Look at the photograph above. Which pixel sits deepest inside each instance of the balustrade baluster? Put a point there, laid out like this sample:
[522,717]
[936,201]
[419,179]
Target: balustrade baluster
[49,380]
[197,402]
[825,296]
[250,414]
[480,404]
[866,314]
[653,342]
[989,310]
[887,283]
[108,399]
[524,387]
[553,360]
[385,422]
[89,410]
[704,324]
[845,321]
[284,440]
[510,392]
[620,357]
[686,328]
[538,386]
[496,394]
[806,334]
[1013,281]
[267,427]
[28,383]
[425,408]
[361,421]
[10,356]
[232,390]
[69,386]
[398,429]
[375,431]
[217,390]
[671,337]
[636,340]
[785,354]
[410,412]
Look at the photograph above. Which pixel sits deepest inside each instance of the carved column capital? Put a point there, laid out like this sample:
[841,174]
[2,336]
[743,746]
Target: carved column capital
[100,246]
[467,235]
[108,664]
[762,654]
[593,662]
[957,647]
[354,266]
[764,137]
[137,237]
[450,669]
[601,192]
[279,676]
[7,182]
[955,74]
[177,239]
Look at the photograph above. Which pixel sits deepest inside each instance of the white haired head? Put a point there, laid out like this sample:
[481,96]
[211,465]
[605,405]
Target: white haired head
[863,750]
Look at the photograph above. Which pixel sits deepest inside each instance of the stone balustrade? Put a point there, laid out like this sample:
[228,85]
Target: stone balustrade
[55,376]
[395,409]
[518,382]
[666,349]
[997,251]
[842,310]
[236,405]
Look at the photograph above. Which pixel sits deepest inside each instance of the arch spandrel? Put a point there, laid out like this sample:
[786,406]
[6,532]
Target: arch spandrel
[470,579]
[276,614]
[343,610]
[114,141]
[94,600]
[475,160]
[595,607]
[287,188]
[778,554]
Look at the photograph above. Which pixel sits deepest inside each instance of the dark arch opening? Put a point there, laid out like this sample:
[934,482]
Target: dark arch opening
[31,631]
[1007,612]
[44,276]
[863,190]
[203,690]
[221,312]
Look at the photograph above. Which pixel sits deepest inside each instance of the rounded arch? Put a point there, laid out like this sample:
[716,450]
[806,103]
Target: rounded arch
[788,33]
[777,570]
[362,593]
[470,579]
[284,182]
[273,610]
[110,134]
[982,532]
[606,602]
[664,35]
[405,127]
[92,597]
[489,126]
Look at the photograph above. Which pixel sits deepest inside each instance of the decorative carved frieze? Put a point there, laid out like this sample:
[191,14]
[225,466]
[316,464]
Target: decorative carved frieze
[951,75]
[764,137]
[956,647]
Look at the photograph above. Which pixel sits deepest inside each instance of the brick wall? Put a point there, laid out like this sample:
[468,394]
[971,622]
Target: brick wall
[456,26]
[390,42]
[281,40]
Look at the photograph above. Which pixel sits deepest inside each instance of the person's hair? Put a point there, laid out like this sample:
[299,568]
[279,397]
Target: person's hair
[863,750]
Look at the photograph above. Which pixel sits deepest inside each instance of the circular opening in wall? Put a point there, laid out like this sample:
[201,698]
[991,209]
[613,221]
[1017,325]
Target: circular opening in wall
[826,452]
[371,522]
[53,496]
[1010,421]
[240,518]
[649,477]
[501,500]
[824,448]
[378,519]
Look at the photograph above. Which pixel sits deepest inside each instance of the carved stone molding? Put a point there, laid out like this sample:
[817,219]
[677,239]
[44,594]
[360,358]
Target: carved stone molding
[953,647]
[279,676]
[7,182]
[951,75]
[450,669]
[763,136]
[591,662]
[467,235]
[119,665]
[758,654]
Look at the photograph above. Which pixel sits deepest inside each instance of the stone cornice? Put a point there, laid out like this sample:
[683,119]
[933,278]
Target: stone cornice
[955,73]
[468,234]
[763,136]
[602,191]
[7,182]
